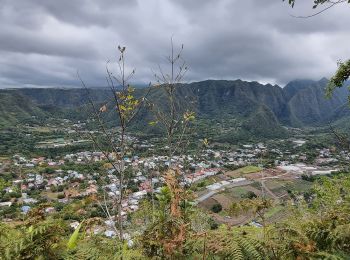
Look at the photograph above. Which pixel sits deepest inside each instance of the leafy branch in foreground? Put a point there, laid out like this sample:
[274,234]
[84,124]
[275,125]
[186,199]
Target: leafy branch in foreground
[319,229]
[226,243]
[166,236]
[317,3]
[38,241]
[338,80]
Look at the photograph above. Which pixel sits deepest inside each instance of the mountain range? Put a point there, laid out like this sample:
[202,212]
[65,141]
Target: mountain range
[250,107]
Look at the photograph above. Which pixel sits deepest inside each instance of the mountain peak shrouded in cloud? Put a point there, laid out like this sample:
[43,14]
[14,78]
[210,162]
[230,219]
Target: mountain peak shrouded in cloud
[45,43]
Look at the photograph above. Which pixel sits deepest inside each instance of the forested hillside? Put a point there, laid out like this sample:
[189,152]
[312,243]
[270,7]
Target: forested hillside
[252,108]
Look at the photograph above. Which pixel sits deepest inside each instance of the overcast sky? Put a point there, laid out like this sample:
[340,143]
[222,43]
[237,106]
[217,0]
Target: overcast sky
[45,42]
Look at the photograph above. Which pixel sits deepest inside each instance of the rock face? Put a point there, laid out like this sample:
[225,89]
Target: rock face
[259,109]
[306,103]
[300,103]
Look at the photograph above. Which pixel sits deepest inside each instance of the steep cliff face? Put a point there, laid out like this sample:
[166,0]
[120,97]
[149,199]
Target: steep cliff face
[295,86]
[236,97]
[254,105]
[309,107]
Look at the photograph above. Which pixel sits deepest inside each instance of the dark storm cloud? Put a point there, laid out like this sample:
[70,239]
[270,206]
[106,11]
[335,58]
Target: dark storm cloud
[45,42]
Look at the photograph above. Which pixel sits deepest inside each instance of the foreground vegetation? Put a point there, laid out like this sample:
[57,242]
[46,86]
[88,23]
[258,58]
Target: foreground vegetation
[318,228]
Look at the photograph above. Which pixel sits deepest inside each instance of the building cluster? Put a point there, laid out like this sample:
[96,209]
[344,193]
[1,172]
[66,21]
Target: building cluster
[145,177]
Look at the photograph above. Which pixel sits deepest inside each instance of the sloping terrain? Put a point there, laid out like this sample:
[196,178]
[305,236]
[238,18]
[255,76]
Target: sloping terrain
[18,109]
[249,107]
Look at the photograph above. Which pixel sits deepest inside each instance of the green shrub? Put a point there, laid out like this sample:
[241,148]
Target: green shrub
[216,208]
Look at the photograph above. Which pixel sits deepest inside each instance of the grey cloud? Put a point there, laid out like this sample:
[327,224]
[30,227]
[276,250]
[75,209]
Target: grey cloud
[31,42]
[45,42]
[79,12]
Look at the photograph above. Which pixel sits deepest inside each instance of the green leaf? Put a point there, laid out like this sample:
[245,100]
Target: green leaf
[30,229]
[152,123]
[72,242]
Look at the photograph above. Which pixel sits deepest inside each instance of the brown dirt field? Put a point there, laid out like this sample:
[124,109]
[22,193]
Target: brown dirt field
[231,221]
[270,173]
[226,198]
[256,175]
[207,204]
[277,186]
[234,195]
[274,183]
[233,174]
[222,177]
[223,199]
[255,190]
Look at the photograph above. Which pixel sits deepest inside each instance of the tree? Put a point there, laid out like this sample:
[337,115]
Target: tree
[256,206]
[339,78]
[3,184]
[166,236]
[249,195]
[216,208]
[174,115]
[114,145]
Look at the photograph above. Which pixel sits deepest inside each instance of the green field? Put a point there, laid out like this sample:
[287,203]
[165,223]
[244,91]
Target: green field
[249,169]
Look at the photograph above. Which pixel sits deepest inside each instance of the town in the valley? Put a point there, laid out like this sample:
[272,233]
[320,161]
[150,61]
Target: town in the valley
[82,185]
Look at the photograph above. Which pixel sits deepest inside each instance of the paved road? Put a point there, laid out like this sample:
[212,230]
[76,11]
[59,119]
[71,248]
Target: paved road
[206,196]
[231,185]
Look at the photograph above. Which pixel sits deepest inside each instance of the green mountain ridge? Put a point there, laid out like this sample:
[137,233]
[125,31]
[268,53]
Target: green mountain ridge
[253,108]
[18,109]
